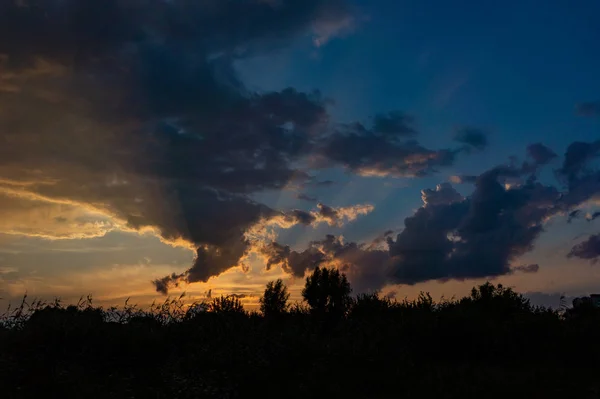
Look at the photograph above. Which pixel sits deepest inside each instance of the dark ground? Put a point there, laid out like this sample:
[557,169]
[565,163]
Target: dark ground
[490,345]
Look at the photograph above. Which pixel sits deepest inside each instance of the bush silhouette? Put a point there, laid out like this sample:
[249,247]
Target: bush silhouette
[274,301]
[370,306]
[327,292]
[497,300]
[490,344]
[226,305]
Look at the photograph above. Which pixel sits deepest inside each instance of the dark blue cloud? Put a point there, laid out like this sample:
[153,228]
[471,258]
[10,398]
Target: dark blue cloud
[456,237]
[376,152]
[540,154]
[471,137]
[394,124]
[588,249]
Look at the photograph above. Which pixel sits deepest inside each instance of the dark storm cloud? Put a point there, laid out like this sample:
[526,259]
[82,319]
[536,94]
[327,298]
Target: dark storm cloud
[292,262]
[138,113]
[134,110]
[74,31]
[381,239]
[328,213]
[376,152]
[453,237]
[540,154]
[167,282]
[302,217]
[577,157]
[443,194]
[332,249]
[471,137]
[588,249]
[588,109]
[230,243]
[579,173]
[584,184]
[477,237]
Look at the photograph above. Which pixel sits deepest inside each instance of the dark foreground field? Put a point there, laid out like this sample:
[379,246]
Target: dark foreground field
[492,344]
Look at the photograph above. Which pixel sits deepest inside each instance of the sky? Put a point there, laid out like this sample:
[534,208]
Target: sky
[157,147]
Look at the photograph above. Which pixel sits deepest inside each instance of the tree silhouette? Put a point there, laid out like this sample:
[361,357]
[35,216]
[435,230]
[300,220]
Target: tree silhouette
[327,291]
[493,337]
[500,299]
[274,301]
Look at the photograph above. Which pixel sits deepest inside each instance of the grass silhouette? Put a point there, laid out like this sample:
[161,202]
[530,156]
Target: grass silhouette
[492,343]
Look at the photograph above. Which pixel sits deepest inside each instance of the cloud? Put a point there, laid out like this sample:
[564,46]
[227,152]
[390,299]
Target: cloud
[239,296]
[394,124]
[471,137]
[452,237]
[212,260]
[592,216]
[463,179]
[383,150]
[338,216]
[578,154]
[588,249]
[49,220]
[540,154]
[573,215]
[477,237]
[443,194]
[588,109]
[131,113]
[134,111]
[292,262]
[332,24]
[531,268]
[331,251]
[578,172]
[306,197]
[333,216]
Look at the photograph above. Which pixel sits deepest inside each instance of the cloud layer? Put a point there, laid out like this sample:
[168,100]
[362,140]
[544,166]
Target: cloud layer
[129,115]
[133,110]
[453,237]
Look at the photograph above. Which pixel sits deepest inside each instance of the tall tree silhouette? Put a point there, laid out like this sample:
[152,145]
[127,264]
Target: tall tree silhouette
[274,301]
[327,291]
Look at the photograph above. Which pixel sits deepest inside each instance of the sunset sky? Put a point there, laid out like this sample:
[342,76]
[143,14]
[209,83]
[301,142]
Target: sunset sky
[154,147]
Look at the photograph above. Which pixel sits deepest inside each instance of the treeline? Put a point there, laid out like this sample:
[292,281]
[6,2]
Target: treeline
[492,343]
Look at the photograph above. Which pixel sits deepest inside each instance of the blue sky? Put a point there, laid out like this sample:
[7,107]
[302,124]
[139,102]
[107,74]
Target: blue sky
[135,204]
[516,70]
